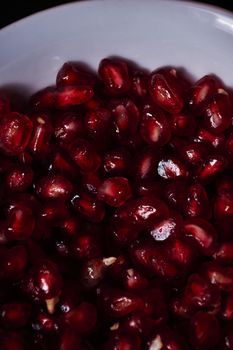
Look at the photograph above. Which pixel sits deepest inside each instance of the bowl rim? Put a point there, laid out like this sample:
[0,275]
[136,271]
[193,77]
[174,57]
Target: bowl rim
[210,8]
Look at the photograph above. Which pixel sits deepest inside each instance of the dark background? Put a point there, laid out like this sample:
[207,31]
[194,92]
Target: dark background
[14,10]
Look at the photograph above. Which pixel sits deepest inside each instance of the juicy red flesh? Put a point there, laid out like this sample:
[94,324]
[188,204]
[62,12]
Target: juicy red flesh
[117,212]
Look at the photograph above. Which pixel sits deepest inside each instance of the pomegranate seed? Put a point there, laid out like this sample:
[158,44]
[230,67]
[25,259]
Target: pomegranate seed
[118,303]
[15,133]
[68,126]
[70,96]
[115,191]
[212,167]
[224,253]
[197,203]
[97,122]
[194,153]
[123,341]
[204,234]
[219,275]
[114,75]
[14,315]
[69,339]
[165,90]
[89,207]
[44,282]
[54,186]
[116,162]
[134,281]
[82,318]
[59,163]
[45,323]
[171,168]
[207,137]
[19,178]
[125,118]
[43,99]
[202,90]
[166,228]
[72,73]
[13,262]
[41,134]
[217,113]
[85,156]
[86,247]
[124,233]
[154,128]
[139,84]
[205,331]
[166,339]
[94,270]
[182,124]
[20,223]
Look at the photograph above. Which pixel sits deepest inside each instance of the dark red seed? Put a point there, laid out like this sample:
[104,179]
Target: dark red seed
[43,99]
[115,191]
[115,76]
[72,73]
[68,126]
[154,128]
[97,122]
[20,223]
[116,162]
[202,91]
[118,340]
[41,135]
[89,207]
[224,253]
[70,96]
[84,155]
[172,168]
[182,124]
[212,167]
[165,90]
[82,318]
[19,178]
[204,331]
[14,262]
[139,84]
[219,275]
[86,246]
[54,186]
[15,133]
[14,315]
[197,203]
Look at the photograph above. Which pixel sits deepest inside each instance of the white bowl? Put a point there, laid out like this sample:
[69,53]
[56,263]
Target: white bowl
[151,33]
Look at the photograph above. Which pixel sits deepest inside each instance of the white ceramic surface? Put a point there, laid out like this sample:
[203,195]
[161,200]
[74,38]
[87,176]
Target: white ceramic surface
[152,33]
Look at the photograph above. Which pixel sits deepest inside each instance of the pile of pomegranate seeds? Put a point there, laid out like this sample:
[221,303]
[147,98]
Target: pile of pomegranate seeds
[116,227]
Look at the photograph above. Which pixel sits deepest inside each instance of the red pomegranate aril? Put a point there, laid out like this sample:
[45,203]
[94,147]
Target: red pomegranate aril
[122,341]
[14,262]
[174,193]
[202,91]
[45,323]
[148,187]
[91,182]
[199,293]
[223,206]
[97,122]
[224,253]
[70,96]
[134,281]
[163,230]
[68,339]
[196,203]
[19,178]
[68,126]
[124,233]
[182,124]
[89,207]
[154,127]
[205,332]
[116,162]
[93,271]
[227,307]
[211,168]
[125,119]
[86,247]
[54,186]
[43,99]
[53,211]
[145,163]
[194,153]
[41,135]
[115,76]
[84,155]
[14,314]
[218,113]
[59,163]
[143,211]
[15,133]
[20,223]
[139,84]
[222,276]
[207,137]
[115,191]
[183,252]
[172,168]
[118,303]
[72,73]
[166,339]
[165,91]
[82,318]
[203,233]
[44,282]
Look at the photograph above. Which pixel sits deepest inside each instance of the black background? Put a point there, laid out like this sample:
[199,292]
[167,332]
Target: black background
[14,10]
